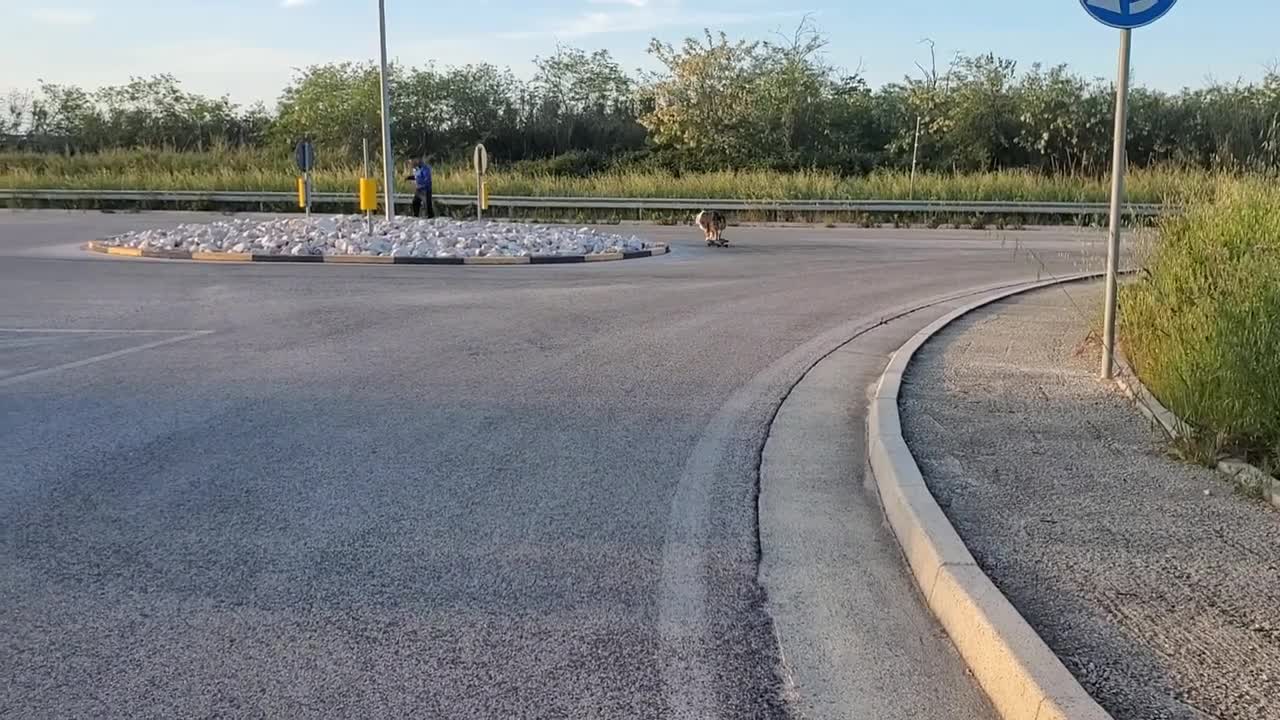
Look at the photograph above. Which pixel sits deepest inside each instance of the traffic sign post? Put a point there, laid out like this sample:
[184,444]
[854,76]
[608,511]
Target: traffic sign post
[368,192]
[1119,160]
[480,161]
[1126,15]
[305,157]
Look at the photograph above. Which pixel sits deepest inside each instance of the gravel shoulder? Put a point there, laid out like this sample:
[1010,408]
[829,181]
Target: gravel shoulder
[1158,587]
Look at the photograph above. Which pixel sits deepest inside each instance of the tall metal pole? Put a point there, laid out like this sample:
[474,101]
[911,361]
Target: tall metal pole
[388,172]
[1118,162]
[915,155]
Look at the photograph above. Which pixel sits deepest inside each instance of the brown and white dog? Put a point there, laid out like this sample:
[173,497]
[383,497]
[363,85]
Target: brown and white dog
[712,224]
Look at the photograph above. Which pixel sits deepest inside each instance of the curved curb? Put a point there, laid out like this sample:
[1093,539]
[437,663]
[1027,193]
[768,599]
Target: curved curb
[98,246]
[1021,676]
[1155,411]
[1246,477]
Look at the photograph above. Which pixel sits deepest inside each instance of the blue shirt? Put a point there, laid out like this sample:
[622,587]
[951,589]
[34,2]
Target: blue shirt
[422,176]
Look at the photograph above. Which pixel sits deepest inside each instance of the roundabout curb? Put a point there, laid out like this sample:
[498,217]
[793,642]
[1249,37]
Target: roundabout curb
[1023,678]
[98,246]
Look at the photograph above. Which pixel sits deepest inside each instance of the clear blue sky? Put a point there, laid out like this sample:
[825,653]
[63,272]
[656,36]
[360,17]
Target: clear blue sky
[247,48]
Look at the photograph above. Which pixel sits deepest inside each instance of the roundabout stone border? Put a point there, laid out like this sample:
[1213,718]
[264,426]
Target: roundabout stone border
[98,246]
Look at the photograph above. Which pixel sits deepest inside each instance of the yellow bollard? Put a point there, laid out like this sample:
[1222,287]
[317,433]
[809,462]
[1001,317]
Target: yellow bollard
[484,196]
[368,195]
[302,192]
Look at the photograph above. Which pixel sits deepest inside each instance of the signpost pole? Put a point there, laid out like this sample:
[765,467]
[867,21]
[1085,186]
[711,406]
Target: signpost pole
[480,158]
[1118,162]
[1124,15]
[388,179]
[304,155]
[368,214]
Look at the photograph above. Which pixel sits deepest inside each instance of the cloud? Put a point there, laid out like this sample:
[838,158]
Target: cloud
[210,67]
[632,3]
[218,65]
[294,3]
[62,16]
[642,16]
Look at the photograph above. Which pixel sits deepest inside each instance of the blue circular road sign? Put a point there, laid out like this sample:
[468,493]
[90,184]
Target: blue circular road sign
[1127,14]
[305,156]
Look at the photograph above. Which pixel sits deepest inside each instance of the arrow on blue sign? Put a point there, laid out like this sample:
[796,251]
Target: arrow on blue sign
[1127,14]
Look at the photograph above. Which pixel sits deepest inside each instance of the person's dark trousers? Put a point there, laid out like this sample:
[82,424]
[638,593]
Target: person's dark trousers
[419,199]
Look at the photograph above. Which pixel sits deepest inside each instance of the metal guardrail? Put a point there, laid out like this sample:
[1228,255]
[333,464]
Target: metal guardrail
[936,207]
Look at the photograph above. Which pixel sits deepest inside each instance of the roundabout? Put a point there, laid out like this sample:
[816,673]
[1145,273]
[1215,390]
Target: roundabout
[355,240]
[224,472]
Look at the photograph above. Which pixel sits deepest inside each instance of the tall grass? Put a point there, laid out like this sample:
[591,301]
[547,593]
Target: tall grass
[1202,325]
[236,169]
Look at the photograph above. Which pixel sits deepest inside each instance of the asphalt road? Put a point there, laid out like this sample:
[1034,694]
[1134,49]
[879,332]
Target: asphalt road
[417,491]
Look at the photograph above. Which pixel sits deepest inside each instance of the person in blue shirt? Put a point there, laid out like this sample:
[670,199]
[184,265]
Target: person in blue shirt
[422,196]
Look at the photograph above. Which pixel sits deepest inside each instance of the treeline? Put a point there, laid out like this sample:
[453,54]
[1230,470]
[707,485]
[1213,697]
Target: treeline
[715,103]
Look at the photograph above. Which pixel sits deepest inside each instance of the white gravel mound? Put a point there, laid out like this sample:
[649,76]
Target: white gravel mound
[349,235]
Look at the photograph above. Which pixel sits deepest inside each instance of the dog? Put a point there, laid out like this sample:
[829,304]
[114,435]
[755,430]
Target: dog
[712,223]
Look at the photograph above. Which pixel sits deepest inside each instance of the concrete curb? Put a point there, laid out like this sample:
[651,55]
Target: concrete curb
[1021,676]
[1247,478]
[658,249]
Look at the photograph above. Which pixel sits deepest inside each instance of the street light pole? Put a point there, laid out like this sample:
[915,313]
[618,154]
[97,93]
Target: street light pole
[915,155]
[388,172]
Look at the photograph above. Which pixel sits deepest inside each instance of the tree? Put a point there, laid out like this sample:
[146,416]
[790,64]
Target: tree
[17,117]
[715,103]
[750,103]
[337,106]
[582,101]
[705,110]
[979,114]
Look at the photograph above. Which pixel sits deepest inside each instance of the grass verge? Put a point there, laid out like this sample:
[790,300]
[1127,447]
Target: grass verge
[1202,324]
[250,170]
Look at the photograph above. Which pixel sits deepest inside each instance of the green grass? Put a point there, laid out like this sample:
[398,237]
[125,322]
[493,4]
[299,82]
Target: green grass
[1202,324]
[259,170]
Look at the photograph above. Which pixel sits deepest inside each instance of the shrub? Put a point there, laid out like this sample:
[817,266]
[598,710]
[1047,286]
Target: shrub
[1202,324]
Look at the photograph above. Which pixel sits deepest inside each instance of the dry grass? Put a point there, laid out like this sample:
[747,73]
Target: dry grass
[257,170]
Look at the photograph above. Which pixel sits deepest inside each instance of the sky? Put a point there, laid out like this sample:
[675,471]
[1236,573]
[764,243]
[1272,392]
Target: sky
[249,49]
